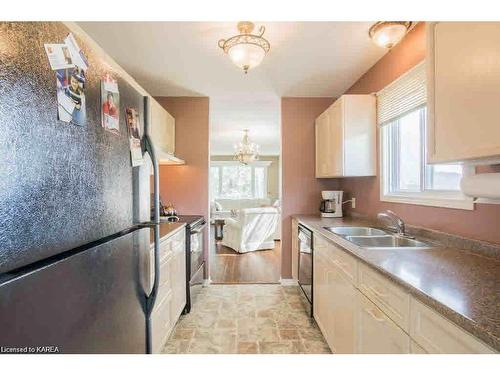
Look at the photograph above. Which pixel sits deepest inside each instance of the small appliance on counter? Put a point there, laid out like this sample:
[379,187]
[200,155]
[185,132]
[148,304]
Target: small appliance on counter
[167,213]
[331,204]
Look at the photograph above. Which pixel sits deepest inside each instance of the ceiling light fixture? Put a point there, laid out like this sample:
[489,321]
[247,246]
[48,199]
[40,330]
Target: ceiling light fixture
[245,151]
[388,33]
[246,50]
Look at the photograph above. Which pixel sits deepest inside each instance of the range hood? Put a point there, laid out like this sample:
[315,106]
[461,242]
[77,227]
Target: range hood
[165,158]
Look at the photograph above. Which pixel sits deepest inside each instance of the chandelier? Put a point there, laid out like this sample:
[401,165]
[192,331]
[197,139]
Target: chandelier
[246,50]
[245,151]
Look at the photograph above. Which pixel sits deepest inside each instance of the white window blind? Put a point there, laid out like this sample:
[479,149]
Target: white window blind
[402,96]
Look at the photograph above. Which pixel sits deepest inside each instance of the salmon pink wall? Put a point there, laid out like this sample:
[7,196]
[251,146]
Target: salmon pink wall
[186,186]
[482,223]
[301,190]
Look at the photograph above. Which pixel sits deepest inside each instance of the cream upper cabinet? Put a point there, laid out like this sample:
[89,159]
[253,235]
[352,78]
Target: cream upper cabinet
[463,91]
[323,151]
[345,138]
[162,127]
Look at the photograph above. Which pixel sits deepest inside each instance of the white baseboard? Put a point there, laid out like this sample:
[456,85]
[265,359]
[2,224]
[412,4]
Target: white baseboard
[288,282]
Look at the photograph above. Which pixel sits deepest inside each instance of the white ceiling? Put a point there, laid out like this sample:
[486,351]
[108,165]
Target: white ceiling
[182,58]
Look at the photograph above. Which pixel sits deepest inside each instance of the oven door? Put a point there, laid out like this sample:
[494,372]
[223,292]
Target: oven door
[305,261]
[194,265]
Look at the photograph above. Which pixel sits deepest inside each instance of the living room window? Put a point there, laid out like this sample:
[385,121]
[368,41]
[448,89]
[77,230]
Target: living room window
[233,180]
[405,175]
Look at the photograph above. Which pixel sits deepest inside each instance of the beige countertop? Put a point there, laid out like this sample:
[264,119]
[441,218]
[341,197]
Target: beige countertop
[461,285]
[165,230]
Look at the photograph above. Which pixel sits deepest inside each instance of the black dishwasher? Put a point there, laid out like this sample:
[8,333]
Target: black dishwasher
[305,247]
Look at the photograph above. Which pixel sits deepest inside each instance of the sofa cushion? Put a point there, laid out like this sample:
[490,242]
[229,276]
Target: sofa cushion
[235,204]
[259,210]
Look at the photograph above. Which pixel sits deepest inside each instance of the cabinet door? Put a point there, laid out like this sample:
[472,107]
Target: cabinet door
[162,128]
[376,333]
[320,285]
[170,134]
[161,322]
[178,282]
[342,317]
[435,334]
[322,145]
[359,115]
[415,348]
[336,139]
[463,90]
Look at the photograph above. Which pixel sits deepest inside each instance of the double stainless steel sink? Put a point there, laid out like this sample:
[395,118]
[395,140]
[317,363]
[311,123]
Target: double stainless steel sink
[378,239]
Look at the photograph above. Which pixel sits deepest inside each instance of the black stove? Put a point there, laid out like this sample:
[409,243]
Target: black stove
[191,220]
[195,257]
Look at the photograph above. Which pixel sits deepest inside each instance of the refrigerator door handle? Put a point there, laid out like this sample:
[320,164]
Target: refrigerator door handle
[151,298]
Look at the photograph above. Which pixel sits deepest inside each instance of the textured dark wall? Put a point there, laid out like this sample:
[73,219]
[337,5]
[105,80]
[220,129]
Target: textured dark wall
[61,185]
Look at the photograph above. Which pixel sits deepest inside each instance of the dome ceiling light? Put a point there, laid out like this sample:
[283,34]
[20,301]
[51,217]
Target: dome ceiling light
[388,33]
[246,50]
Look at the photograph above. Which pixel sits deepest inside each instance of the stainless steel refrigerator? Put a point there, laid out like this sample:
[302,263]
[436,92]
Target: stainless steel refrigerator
[74,231]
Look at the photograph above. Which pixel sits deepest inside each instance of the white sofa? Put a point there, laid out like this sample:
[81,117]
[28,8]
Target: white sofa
[226,205]
[252,229]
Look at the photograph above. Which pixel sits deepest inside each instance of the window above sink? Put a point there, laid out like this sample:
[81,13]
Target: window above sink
[405,175]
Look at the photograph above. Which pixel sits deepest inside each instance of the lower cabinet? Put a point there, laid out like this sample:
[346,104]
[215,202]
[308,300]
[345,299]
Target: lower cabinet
[320,287]
[342,312]
[178,282]
[334,300]
[416,349]
[171,298]
[376,333]
[358,310]
[161,322]
[437,335]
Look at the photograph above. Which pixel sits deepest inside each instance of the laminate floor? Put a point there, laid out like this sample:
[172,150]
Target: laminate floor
[247,319]
[228,266]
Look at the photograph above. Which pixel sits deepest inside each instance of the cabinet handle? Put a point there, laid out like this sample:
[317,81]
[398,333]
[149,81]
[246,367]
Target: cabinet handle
[342,266]
[377,292]
[372,313]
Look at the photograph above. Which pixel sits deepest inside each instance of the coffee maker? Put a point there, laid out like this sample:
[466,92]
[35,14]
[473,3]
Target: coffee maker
[331,204]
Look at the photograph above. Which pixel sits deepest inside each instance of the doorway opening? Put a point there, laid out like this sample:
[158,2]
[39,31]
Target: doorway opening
[245,195]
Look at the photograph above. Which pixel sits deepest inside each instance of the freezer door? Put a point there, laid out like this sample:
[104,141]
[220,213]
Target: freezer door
[61,185]
[91,302]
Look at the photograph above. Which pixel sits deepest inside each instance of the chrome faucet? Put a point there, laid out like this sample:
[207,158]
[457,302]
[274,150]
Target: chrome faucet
[399,224]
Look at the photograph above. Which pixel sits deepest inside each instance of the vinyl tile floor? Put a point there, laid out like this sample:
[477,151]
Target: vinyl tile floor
[247,319]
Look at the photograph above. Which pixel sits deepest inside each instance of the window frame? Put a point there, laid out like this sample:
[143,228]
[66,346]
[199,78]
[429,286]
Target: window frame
[425,197]
[253,165]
